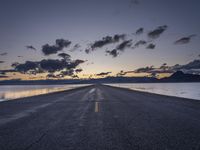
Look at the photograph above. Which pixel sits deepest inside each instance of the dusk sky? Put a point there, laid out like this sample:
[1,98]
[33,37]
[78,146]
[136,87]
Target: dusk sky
[151,33]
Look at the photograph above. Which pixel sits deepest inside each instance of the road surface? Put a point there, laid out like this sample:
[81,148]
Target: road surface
[100,118]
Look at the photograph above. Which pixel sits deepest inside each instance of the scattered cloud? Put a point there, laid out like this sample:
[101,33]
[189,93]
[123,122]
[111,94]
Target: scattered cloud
[75,47]
[107,40]
[103,73]
[134,2]
[65,56]
[151,46]
[53,49]
[139,31]
[139,43]
[113,53]
[192,67]
[3,76]
[144,69]
[124,44]
[184,40]
[47,65]
[78,70]
[3,54]
[157,32]
[31,47]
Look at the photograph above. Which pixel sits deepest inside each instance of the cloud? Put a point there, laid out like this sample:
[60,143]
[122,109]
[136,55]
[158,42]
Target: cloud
[3,54]
[113,53]
[75,47]
[121,47]
[53,49]
[1,62]
[139,31]
[27,66]
[64,56]
[151,46]
[73,64]
[68,72]
[141,42]
[47,65]
[144,69]
[3,76]
[124,44]
[31,47]
[157,32]
[121,73]
[103,73]
[135,2]
[107,40]
[184,40]
[78,70]
[192,67]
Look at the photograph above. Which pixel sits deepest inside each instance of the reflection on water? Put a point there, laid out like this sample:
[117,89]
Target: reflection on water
[14,92]
[186,90]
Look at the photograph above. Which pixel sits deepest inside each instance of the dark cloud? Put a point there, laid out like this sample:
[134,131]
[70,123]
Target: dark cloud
[144,69]
[191,67]
[73,64]
[51,75]
[139,43]
[27,66]
[19,56]
[157,32]
[62,43]
[50,49]
[3,76]
[3,72]
[107,40]
[53,49]
[87,50]
[151,46]
[75,47]
[124,44]
[46,65]
[184,40]
[51,65]
[139,31]
[120,48]
[134,2]
[113,53]
[121,73]
[2,62]
[3,54]
[103,73]
[78,70]
[65,56]
[68,72]
[31,47]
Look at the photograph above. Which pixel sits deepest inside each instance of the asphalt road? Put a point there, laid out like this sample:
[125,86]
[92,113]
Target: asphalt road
[100,118]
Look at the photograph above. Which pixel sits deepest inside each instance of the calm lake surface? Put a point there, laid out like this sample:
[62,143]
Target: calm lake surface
[8,92]
[186,90]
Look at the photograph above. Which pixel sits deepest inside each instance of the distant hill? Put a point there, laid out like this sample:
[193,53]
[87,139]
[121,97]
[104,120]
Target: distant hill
[178,76]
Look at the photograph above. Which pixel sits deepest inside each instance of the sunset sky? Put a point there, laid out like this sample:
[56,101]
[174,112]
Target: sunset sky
[103,37]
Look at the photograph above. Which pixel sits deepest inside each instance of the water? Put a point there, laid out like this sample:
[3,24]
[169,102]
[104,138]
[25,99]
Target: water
[186,90]
[8,92]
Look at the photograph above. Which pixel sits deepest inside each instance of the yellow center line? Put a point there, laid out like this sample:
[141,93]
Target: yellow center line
[96,107]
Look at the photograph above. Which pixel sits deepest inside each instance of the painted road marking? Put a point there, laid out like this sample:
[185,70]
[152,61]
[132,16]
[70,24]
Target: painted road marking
[96,107]
[92,90]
